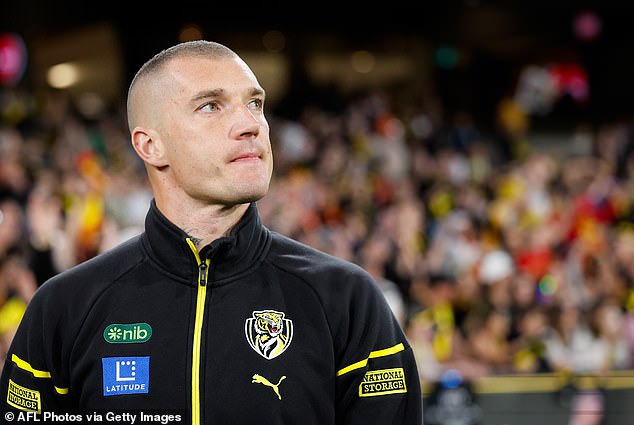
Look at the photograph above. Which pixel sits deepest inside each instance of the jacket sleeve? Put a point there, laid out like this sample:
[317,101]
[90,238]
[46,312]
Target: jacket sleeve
[377,380]
[31,378]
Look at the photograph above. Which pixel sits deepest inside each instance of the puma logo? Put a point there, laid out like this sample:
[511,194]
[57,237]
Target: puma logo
[259,379]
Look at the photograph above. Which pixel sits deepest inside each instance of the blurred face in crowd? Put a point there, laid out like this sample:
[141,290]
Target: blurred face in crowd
[200,127]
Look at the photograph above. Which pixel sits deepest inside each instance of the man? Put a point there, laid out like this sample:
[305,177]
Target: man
[208,315]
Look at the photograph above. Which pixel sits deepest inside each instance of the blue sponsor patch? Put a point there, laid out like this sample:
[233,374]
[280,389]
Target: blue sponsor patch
[125,375]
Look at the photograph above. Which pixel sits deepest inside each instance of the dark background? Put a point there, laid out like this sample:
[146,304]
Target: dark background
[498,38]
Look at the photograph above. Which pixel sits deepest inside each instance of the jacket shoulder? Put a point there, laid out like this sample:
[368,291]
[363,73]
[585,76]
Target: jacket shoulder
[94,275]
[295,254]
[315,267]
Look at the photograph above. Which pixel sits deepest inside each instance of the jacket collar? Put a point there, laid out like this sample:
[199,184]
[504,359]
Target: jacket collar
[231,256]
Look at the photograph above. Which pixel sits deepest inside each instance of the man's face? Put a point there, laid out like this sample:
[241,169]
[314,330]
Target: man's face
[211,123]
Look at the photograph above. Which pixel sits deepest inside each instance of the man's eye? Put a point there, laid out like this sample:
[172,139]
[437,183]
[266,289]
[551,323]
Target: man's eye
[209,107]
[256,104]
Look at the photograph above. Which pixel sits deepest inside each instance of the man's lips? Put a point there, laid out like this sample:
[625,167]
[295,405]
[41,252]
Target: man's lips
[251,156]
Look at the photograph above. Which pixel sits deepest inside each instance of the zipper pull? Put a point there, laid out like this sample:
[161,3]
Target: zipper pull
[203,269]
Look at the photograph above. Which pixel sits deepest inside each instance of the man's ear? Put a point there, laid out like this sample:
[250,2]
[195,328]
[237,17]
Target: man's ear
[149,147]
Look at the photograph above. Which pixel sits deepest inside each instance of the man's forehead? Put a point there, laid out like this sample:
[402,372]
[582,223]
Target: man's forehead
[193,71]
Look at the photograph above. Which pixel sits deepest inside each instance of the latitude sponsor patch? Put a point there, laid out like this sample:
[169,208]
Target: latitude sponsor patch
[382,382]
[24,398]
[126,375]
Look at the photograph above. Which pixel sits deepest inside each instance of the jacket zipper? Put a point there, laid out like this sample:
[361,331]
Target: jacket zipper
[203,270]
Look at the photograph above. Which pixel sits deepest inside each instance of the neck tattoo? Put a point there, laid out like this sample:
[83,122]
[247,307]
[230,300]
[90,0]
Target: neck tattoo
[194,239]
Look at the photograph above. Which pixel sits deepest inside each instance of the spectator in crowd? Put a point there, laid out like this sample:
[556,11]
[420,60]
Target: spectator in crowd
[436,332]
[570,343]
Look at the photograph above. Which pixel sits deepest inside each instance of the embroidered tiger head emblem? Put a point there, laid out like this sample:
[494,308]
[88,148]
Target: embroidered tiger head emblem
[269,322]
[268,332]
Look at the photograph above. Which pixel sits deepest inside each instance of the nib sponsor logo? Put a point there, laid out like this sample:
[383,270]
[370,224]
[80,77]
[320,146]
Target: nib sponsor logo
[127,333]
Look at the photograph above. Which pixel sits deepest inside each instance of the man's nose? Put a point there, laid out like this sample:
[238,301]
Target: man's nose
[246,124]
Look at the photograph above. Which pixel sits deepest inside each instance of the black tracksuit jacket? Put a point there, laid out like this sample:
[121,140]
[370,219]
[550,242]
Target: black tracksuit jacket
[254,329]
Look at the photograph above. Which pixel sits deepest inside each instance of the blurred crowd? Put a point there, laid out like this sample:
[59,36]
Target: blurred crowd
[70,188]
[495,257]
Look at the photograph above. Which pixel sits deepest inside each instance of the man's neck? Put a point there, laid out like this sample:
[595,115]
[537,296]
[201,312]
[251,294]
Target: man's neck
[203,224]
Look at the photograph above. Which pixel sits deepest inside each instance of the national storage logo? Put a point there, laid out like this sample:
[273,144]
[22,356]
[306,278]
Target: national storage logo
[127,333]
[24,398]
[381,382]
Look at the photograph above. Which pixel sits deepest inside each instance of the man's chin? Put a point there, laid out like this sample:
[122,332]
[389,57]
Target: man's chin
[250,197]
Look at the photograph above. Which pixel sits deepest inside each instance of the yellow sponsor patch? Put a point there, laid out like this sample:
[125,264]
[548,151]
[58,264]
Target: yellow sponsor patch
[24,398]
[381,382]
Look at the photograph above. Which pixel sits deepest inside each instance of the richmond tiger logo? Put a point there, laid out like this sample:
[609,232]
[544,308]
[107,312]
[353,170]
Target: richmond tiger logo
[268,333]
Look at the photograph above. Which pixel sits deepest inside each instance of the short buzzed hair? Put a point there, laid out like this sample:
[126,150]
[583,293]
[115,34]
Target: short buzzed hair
[208,49]
[196,48]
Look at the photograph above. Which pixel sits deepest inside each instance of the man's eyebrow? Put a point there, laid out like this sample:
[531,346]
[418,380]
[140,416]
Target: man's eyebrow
[256,91]
[214,93]
[207,94]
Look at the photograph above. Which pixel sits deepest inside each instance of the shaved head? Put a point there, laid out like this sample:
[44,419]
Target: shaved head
[140,93]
